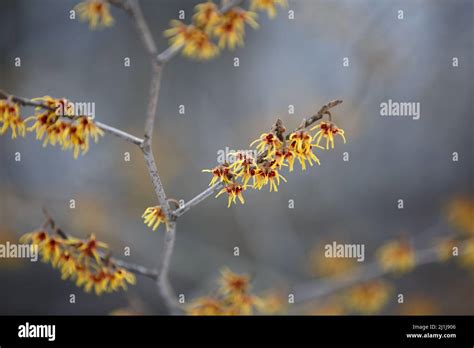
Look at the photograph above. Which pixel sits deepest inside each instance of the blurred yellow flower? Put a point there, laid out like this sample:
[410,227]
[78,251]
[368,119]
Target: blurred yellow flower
[333,267]
[267,5]
[232,283]
[397,256]
[234,298]
[206,15]
[96,12]
[10,117]
[230,28]
[205,306]
[200,46]
[196,43]
[368,298]
[460,212]
[273,302]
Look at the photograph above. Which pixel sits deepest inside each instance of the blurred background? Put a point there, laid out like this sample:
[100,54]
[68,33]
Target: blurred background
[286,62]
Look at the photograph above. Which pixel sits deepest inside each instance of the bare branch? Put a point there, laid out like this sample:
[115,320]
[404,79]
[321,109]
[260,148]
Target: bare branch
[196,200]
[163,282]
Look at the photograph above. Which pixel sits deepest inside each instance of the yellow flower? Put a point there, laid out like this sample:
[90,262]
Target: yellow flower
[67,264]
[51,251]
[69,135]
[368,298]
[196,42]
[179,33]
[36,237]
[267,5]
[328,130]
[56,133]
[285,156]
[267,141]
[301,145]
[220,173]
[230,28]
[206,15]
[397,256]
[233,191]
[244,167]
[97,281]
[205,306]
[268,174]
[87,126]
[232,284]
[96,12]
[242,304]
[154,216]
[10,116]
[200,46]
[75,138]
[90,248]
[460,213]
[119,278]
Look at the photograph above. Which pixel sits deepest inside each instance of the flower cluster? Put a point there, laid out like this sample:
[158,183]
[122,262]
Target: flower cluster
[275,151]
[209,23]
[234,298]
[71,132]
[81,261]
[96,12]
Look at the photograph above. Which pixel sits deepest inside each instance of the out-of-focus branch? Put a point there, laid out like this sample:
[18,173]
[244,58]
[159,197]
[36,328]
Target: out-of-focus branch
[306,122]
[323,287]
